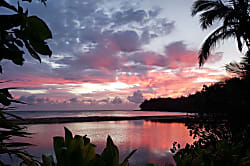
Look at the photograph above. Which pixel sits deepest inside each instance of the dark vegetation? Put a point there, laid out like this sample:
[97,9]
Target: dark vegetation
[222,140]
[226,97]
[18,32]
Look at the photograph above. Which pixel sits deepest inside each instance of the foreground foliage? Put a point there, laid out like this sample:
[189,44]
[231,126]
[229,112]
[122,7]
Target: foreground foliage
[78,151]
[223,140]
[8,130]
[18,32]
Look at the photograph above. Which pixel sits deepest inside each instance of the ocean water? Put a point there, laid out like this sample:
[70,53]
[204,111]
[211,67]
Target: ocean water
[86,113]
[152,140]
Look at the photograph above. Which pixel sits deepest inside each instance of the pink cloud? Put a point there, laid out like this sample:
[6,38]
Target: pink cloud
[175,73]
[179,56]
[214,57]
[167,84]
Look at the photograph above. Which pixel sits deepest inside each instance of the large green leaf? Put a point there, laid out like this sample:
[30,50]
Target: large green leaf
[38,28]
[78,151]
[74,151]
[10,21]
[88,153]
[59,148]
[31,51]
[13,53]
[68,137]
[86,140]
[18,58]
[48,160]
[41,47]
[110,155]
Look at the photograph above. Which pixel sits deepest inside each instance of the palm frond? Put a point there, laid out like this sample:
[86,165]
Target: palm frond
[202,5]
[211,11]
[207,18]
[212,40]
[235,17]
[239,43]
[234,67]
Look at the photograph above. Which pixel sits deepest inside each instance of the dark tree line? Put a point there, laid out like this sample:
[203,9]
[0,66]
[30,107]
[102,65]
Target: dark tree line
[230,96]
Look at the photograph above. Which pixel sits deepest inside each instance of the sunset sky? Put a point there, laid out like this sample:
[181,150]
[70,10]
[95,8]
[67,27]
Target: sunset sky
[113,54]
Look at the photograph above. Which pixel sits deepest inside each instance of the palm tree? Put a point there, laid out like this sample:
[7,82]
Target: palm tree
[241,69]
[235,18]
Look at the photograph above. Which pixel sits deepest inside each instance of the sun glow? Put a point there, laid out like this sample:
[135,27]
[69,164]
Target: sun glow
[100,87]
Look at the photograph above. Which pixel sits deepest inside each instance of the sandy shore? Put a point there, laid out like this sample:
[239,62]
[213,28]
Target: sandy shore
[179,118]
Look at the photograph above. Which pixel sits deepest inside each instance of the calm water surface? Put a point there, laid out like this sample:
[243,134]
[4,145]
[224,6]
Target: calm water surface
[151,139]
[86,113]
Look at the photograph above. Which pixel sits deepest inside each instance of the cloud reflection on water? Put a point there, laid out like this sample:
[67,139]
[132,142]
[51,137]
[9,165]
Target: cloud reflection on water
[152,139]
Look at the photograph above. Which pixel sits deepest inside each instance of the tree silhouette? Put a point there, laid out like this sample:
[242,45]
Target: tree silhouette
[18,31]
[234,15]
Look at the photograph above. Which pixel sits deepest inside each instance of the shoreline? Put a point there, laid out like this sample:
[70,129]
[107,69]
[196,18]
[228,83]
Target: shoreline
[166,119]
